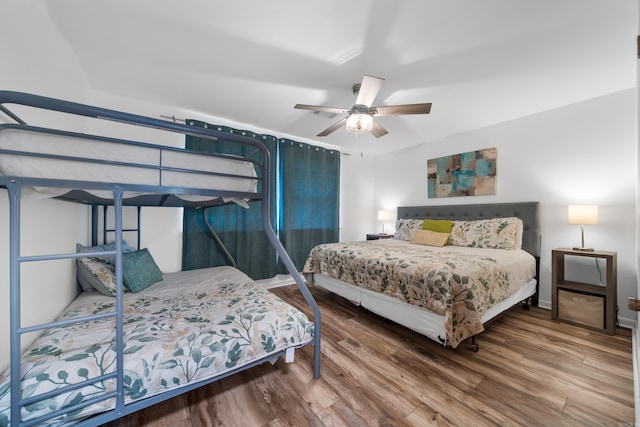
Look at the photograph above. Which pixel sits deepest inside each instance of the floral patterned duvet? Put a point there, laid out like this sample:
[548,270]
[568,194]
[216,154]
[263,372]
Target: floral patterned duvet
[191,326]
[459,283]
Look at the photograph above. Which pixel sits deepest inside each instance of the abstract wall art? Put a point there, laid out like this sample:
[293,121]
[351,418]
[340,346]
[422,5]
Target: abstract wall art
[465,174]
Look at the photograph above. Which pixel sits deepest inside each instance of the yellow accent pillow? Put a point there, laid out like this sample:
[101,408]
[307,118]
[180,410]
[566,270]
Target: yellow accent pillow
[430,238]
[439,225]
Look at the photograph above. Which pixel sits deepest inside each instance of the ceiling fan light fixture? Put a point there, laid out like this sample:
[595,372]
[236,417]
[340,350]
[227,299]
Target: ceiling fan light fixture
[359,123]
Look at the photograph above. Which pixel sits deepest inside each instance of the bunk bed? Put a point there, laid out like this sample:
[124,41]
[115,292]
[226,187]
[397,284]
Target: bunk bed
[147,337]
[435,287]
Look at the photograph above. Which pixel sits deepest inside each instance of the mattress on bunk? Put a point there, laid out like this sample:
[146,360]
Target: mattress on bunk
[459,283]
[191,326]
[142,163]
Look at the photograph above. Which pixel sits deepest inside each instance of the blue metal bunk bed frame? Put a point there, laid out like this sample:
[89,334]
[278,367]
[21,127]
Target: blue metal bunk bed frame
[14,186]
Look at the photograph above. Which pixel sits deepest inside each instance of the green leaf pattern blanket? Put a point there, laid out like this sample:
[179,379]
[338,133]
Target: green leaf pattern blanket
[191,326]
[459,283]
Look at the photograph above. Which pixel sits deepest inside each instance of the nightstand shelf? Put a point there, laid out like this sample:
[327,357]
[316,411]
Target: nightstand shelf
[583,304]
[583,287]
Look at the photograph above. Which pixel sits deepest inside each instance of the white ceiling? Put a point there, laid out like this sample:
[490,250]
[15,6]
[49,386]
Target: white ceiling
[248,62]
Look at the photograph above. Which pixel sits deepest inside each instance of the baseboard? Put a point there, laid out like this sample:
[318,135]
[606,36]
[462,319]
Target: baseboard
[544,304]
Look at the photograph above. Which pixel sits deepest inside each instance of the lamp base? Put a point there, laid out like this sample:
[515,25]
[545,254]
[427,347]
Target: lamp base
[583,249]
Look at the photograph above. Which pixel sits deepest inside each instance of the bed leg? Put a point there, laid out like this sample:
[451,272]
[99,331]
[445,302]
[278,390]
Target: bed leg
[474,345]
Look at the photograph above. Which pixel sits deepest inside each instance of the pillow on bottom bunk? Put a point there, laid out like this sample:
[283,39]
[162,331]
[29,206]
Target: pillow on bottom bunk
[97,272]
[91,275]
[139,270]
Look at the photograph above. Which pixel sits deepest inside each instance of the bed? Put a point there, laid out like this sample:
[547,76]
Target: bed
[448,289]
[143,336]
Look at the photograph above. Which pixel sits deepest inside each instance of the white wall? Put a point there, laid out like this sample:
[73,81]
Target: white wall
[45,66]
[583,153]
[356,197]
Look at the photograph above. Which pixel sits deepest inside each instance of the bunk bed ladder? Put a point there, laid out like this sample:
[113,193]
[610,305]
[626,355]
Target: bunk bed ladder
[14,189]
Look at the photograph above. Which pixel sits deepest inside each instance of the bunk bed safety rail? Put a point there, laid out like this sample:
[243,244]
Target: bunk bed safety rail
[80,157]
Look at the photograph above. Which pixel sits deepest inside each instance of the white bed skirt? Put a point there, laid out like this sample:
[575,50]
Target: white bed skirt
[410,316]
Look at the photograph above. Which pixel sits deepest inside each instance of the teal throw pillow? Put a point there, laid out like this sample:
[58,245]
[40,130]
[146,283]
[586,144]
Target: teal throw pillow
[139,270]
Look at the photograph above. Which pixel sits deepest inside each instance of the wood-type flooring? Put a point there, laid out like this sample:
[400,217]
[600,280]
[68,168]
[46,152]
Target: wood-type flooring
[529,371]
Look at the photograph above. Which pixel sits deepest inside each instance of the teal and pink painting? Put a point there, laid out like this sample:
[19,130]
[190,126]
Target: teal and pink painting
[465,174]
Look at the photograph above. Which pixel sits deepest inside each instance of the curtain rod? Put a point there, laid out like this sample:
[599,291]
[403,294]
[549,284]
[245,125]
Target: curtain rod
[174,118]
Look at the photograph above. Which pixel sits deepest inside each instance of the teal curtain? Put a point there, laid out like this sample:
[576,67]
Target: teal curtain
[305,201]
[309,198]
[240,229]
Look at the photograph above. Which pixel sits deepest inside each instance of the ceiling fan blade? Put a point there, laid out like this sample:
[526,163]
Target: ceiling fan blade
[369,90]
[333,127]
[321,108]
[377,130]
[398,110]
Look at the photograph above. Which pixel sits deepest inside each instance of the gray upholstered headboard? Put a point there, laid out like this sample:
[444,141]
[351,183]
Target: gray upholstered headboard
[529,212]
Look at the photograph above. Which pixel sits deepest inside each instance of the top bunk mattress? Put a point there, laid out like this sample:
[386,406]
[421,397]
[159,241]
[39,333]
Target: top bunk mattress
[33,153]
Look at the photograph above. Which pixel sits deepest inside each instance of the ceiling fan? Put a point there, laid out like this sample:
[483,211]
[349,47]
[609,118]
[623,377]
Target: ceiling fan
[359,118]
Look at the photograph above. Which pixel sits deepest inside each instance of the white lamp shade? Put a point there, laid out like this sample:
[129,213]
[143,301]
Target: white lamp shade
[384,215]
[583,214]
[359,123]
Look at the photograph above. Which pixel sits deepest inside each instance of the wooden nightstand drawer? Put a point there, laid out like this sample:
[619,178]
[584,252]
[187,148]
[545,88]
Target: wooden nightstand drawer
[581,308]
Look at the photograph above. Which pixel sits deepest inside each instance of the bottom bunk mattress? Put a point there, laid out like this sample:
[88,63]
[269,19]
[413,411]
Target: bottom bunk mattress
[419,286]
[192,326]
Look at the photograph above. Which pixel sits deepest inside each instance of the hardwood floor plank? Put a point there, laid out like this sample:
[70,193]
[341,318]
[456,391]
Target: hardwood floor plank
[618,366]
[343,414]
[529,371]
[372,380]
[317,394]
[525,407]
[438,390]
[588,411]
[285,403]
[224,403]
[352,393]
[425,416]
[174,412]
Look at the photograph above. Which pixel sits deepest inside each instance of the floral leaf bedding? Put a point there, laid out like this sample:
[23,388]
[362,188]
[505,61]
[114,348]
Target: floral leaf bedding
[191,326]
[459,283]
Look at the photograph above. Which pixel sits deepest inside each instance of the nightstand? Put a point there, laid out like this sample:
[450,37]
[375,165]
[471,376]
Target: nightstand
[583,304]
[377,236]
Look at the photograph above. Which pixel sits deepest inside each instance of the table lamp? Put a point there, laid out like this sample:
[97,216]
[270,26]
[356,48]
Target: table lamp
[583,214]
[384,216]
